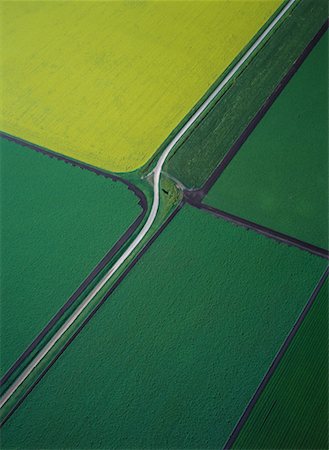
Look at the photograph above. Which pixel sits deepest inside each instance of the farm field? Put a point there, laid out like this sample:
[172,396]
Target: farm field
[58,222]
[279,177]
[174,355]
[292,411]
[109,96]
[164,225]
[196,157]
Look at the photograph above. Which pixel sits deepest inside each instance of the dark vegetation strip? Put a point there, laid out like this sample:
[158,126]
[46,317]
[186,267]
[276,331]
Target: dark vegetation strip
[275,363]
[200,194]
[268,232]
[99,267]
[207,143]
[93,312]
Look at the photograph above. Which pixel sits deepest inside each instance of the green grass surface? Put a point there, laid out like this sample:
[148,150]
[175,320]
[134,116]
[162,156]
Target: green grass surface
[174,355]
[196,158]
[292,412]
[279,178]
[57,222]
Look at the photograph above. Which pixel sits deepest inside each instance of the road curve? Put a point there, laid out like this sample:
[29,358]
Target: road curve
[153,213]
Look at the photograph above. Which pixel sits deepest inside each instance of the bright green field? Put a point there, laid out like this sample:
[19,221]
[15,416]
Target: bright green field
[174,355]
[57,222]
[279,178]
[292,412]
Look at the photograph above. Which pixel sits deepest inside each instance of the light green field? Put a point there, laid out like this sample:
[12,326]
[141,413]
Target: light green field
[175,354]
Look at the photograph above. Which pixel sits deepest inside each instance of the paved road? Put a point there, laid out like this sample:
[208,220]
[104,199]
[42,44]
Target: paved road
[153,213]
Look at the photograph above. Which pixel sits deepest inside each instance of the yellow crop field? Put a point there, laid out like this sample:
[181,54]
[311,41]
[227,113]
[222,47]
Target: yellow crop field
[106,82]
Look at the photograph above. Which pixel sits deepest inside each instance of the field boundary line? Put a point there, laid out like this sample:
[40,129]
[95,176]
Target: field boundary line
[75,163]
[260,229]
[156,173]
[243,419]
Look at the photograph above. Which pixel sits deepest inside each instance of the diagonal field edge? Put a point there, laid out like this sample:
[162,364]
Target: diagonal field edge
[201,193]
[93,312]
[93,274]
[275,363]
[260,229]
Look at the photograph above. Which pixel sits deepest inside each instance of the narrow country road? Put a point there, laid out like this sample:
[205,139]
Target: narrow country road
[153,213]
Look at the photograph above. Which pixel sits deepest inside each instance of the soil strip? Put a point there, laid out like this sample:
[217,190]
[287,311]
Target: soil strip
[268,232]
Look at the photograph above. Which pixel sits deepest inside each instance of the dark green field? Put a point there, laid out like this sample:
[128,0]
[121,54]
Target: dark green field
[175,354]
[292,411]
[57,222]
[196,158]
[279,178]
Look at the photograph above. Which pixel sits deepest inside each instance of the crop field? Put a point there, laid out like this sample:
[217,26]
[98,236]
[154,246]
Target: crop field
[58,222]
[292,411]
[178,349]
[164,225]
[270,167]
[60,60]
